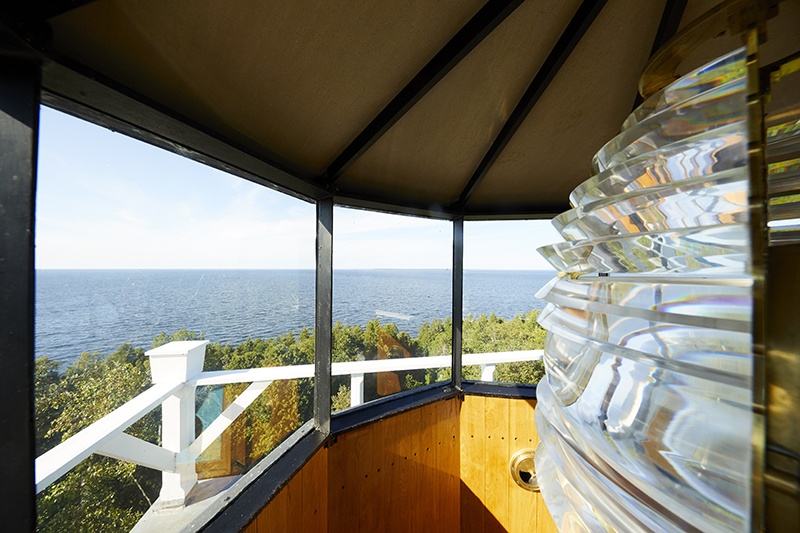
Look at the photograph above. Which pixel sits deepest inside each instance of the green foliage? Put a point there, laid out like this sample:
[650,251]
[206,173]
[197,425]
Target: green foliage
[519,372]
[436,337]
[348,343]
[488,334]
[493,334]
[100,493]
[180,335]
[47,380]
[341,400]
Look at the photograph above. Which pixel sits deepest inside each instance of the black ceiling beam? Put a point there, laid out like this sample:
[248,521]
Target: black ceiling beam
[479,26]
[577,27]
[41,10]
[667,28]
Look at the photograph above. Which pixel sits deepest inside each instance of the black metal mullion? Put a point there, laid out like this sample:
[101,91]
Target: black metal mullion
[479,26]
[458,293]
[20,88]
[581,21]
[324,316]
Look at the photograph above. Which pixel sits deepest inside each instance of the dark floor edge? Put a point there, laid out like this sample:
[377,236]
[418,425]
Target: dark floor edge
[500,390]
[393,405]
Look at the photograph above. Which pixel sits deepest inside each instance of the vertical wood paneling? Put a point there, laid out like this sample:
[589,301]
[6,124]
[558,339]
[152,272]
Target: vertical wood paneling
[399,518]
[302,505]
[472,464]
[495,471]
[442,467]
[314,514]
[417,504]
[487,490]
[366,488]
[386,446]
[414,472]
[522,505]
[450,461]
[275,516]
[294,500]
[427,461]
[343,482]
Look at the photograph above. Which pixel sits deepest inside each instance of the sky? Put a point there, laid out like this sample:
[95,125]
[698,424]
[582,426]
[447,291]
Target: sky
[106,201]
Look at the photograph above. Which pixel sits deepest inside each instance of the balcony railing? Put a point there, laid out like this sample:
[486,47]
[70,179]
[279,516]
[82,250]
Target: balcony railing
[176,373]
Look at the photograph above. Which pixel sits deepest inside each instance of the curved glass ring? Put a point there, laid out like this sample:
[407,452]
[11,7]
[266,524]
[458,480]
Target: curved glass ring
[712,74]
[714,108]
[717,198]
[712,151]
[717,247]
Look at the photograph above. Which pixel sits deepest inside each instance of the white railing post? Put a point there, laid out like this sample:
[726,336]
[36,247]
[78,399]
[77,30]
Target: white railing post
[356,389]
[487,372]
[178,362]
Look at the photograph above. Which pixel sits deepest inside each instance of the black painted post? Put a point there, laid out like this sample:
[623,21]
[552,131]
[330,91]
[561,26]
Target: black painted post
[19,128]
[324,314]
[458,292]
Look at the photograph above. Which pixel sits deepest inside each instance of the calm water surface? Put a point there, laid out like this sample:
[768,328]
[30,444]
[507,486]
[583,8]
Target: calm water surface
[97,310]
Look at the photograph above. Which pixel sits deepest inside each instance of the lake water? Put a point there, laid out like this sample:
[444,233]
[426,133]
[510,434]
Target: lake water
[97,310]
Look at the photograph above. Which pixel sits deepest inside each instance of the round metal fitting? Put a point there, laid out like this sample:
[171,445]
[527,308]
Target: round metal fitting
[523,470]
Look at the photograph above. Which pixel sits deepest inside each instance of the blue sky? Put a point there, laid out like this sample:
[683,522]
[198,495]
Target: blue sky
[107,201]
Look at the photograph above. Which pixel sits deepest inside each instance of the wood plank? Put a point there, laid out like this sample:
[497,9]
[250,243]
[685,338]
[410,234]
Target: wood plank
[405,496]
[386,486]
[472,451]
[294,504]
[522,504]
[343,483]
[314,475]
[416,503]
[369,512]
[429,475]
[449,461]
[380,490]
[391,463]
[495,498]
[275,517]
[439,465]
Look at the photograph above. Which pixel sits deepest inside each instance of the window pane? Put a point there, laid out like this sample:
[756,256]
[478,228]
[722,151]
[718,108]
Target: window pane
[502,273]
[392,300]
[136,248]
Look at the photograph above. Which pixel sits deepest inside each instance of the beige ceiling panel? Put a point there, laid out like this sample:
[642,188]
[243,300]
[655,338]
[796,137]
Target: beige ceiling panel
[430,153]
[298,79]
[581,110]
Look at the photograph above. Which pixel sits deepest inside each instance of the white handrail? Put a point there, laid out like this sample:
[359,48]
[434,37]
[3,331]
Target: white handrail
[250,375]
[55,463]
[106,435]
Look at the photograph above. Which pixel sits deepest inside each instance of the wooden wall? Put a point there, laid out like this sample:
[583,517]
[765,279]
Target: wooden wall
[302,505]
[442,467]
[400,474]
[492,431]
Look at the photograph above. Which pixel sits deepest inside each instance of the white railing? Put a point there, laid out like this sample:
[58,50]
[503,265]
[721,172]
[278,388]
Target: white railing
[176,372]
